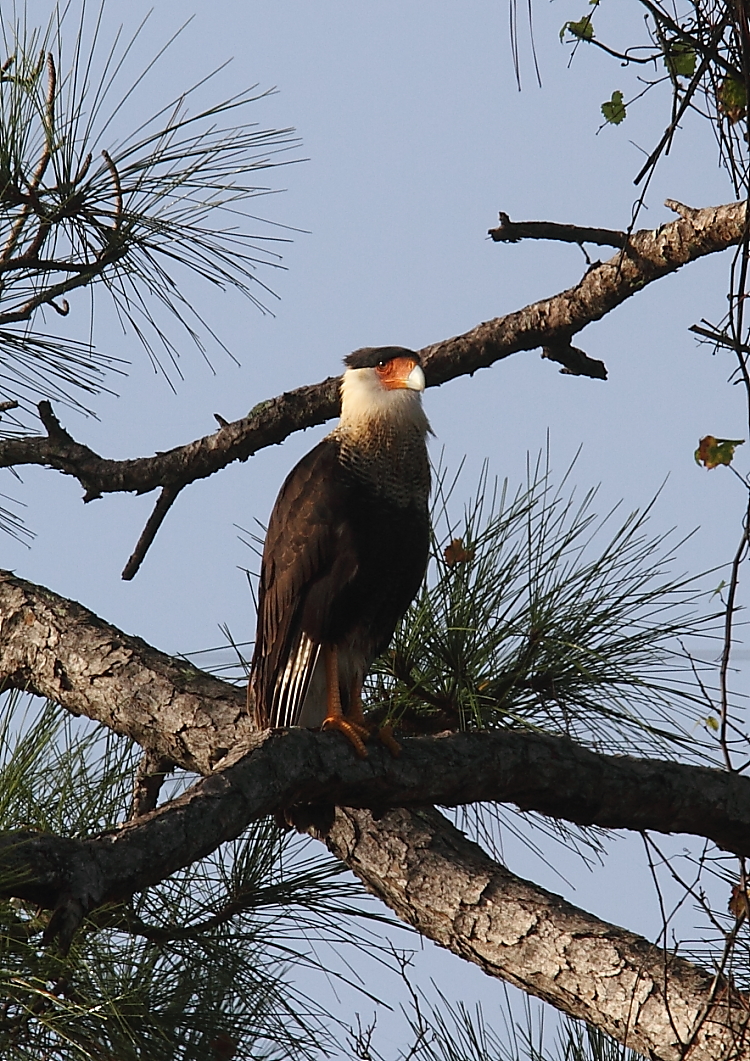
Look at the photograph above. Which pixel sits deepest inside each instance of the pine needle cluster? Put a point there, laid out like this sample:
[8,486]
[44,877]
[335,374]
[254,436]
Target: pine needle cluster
[80,207]
[197,968]
[538,614]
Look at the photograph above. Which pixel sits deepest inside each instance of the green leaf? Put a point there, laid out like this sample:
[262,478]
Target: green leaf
[732,99]
[613,109]
[680,59]
[713,451]
[583,30]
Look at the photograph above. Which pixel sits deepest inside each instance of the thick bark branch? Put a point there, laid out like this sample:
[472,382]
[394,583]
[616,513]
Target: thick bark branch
[278,771]
[451,891]
[60,650]
[429,873]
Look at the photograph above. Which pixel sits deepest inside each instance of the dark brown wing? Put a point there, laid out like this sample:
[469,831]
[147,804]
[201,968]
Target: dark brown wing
[308,558]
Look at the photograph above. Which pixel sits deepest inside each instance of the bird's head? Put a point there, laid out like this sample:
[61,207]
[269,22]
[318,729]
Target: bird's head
[382,382]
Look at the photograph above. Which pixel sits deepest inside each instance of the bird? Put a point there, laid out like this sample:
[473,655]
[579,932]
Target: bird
[345,552]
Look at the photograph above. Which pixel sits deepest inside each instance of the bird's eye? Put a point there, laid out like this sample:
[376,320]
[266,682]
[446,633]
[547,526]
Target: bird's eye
[381,364]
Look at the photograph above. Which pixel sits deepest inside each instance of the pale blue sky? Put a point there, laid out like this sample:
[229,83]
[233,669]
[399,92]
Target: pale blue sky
[415,135]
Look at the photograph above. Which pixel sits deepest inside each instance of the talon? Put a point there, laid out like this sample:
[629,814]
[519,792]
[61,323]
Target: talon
[385,736]
[353,733]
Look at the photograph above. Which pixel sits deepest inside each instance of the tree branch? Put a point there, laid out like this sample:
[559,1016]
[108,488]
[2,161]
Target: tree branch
[451,891]
[167,498]
[428,872]
[550,323]
[60,650]
[514,231]
[444,885]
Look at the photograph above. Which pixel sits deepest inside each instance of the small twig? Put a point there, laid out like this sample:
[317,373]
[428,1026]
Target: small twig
[38,174]
[118,190]
[43,265]
[686,100]
[51,89]
[163,505]
[664,934]
[10,404]
[109,255]
[699,46]
[719,982]
[727,650]
[52,425]
[624,56]
[63,309]
[513,231]
[720,338]
[688,212]
[83,170]
[575,362]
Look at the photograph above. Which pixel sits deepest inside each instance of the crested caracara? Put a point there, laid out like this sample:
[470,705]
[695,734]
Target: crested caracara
[345,551]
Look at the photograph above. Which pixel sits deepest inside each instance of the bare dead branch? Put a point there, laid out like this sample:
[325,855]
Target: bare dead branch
[52,425]
[166,499]
[574,361]
[514,231]
[549,323]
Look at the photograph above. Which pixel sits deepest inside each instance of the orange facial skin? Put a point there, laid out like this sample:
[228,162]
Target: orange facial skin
[394,374]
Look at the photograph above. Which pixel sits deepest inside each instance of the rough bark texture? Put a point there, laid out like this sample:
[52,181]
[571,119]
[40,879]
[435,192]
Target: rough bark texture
[428,872]
[58,649]
[61,650]
[444,885]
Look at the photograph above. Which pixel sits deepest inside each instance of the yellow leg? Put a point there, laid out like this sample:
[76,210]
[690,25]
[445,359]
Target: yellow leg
[334,719]
[385,736]
[355,713]
[357,717]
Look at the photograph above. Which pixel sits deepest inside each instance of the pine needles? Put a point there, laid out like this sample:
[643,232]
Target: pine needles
[538,614]
[79,208]
[198,964]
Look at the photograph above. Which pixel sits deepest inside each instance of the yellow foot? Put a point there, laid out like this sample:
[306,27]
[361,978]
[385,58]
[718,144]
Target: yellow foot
[352,731]
[385,736]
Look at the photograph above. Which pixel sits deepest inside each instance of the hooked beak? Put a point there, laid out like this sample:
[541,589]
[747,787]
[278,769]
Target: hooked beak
[402,373]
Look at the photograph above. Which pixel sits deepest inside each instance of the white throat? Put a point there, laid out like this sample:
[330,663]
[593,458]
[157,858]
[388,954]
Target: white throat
[365,403]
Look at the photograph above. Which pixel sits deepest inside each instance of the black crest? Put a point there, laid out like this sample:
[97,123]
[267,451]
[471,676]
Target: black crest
[370,356]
